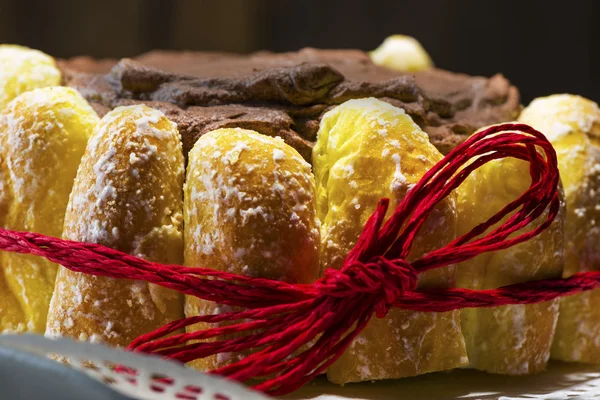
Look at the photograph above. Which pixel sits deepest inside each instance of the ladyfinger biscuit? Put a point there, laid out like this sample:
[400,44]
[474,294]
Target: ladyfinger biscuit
[23,69]
[572,124]
[249,209]
[514,339]
[367,150]
[44,134]
[128,196]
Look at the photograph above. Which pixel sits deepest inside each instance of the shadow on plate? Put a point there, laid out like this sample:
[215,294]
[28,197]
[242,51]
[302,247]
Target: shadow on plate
[560,381]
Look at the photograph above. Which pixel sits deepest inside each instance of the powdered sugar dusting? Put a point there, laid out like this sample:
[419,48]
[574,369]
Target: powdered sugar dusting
[23,69]
[44,133]
[560,115]
[249,209]
[142,217]
[243,192]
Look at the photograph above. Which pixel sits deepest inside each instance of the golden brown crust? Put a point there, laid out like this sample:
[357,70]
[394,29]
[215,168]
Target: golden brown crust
[128,196]
[249,209]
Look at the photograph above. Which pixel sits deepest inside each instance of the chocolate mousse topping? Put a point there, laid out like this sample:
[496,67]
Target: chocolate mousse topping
[286,94]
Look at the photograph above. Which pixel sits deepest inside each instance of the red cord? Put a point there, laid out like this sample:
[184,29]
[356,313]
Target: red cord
[281,318]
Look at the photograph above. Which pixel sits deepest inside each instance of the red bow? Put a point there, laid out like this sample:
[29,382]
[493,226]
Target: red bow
[281,318]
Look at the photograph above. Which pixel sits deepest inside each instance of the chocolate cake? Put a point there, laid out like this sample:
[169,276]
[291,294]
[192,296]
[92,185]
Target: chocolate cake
[286,94]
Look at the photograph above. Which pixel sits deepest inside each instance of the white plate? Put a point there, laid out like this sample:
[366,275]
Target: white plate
[560,381]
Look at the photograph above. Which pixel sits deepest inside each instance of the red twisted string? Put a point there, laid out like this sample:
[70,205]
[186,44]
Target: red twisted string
[280,319]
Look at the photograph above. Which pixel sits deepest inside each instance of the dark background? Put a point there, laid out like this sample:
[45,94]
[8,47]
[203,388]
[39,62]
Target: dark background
[543,47]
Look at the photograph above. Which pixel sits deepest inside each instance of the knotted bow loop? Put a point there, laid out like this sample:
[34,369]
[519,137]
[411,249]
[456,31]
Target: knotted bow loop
[386,279]
[396,277]
[395,238]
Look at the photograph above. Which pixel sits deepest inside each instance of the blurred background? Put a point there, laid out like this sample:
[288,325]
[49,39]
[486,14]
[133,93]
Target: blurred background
[542,46]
